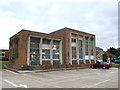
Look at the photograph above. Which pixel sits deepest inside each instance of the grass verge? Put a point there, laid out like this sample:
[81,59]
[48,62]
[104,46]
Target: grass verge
[2,63]
[115,65]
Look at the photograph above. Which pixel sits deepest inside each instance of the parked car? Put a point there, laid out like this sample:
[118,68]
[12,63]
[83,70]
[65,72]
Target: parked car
[117,60]
[103,65]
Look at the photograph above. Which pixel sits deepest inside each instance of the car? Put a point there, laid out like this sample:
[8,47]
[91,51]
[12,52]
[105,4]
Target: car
[103,65]
[117,60]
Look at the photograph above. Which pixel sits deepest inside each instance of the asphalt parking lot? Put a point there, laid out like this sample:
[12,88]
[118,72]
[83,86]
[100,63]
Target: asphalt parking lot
[79,78]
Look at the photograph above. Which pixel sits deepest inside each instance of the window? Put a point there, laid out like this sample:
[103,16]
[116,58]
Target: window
[80,49]
[73,52]
[91,45]
[45,54]
[56,55]
[46,41]
[56,45]
[34,40]
[2,54]
[34,50]
[34,57]
[86,46]
[34,45]
[56,51]
[74,40]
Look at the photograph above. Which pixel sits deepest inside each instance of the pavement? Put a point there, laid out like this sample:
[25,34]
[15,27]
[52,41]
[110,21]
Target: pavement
[77,78]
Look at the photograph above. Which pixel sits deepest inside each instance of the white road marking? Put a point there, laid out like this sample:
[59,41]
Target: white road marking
[21,85]
[99,83]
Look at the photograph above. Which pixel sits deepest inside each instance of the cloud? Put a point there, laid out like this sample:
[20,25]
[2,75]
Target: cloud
[92,16]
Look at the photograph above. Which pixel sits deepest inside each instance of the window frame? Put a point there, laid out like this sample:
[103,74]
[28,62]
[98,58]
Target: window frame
[2,54]
[72,40]
[43,54]
[72,53]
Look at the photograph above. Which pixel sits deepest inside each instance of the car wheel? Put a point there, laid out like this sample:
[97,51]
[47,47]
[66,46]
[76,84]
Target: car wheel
[92,67]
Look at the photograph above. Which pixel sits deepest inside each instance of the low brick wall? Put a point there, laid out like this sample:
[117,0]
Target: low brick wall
[81,61]
[87,62]
[74,62]
[92,61]
[56,62]
[46,62]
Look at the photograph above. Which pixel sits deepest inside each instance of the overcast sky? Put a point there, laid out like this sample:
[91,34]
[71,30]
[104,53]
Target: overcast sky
[99,17]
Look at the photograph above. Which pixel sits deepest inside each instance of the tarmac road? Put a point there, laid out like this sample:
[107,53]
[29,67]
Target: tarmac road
[79,78]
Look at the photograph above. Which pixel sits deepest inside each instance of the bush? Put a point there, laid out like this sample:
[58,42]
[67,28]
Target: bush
[3,59]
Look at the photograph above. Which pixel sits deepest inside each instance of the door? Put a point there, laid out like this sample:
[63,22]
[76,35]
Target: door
[34,59]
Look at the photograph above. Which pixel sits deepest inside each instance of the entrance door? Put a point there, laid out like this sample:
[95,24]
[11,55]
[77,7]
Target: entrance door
[34,59]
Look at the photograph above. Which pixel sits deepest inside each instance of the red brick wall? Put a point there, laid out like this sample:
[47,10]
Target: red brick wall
[63,34]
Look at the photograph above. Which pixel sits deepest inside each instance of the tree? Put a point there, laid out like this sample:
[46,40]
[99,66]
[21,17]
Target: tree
[104,57]
[112,50]
[118,52]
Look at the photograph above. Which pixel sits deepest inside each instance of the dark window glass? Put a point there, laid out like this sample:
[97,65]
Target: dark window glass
[86,46]
[73,40]
[46,54]
[73,52]
[80,50]
[46,41]
[91,44]
[56,54]
[35,40]
[56,42]
[34,51]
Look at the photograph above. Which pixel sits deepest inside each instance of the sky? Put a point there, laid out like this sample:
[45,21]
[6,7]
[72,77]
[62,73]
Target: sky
[99,17]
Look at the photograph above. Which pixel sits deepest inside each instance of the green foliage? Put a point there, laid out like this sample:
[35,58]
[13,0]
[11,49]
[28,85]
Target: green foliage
[104,57]
[114,51]
[2,63]
[3,59]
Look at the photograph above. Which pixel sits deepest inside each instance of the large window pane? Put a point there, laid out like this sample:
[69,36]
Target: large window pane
[91,45]
[56,42]
[34,51]
[46,41]
[35,40]
[80,50]
[34,45]
[73,52]
[86,46]
[46,54]
[56,54]
[56,45]
[73,40]
[34,58]
[56,51]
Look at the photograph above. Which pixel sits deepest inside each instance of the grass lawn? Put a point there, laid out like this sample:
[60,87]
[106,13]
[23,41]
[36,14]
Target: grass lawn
[115,65]
[2,63]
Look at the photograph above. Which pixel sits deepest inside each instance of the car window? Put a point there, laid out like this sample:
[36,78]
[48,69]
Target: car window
[101,62]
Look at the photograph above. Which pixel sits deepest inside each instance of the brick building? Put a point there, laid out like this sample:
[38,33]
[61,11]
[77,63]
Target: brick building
[63,48]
